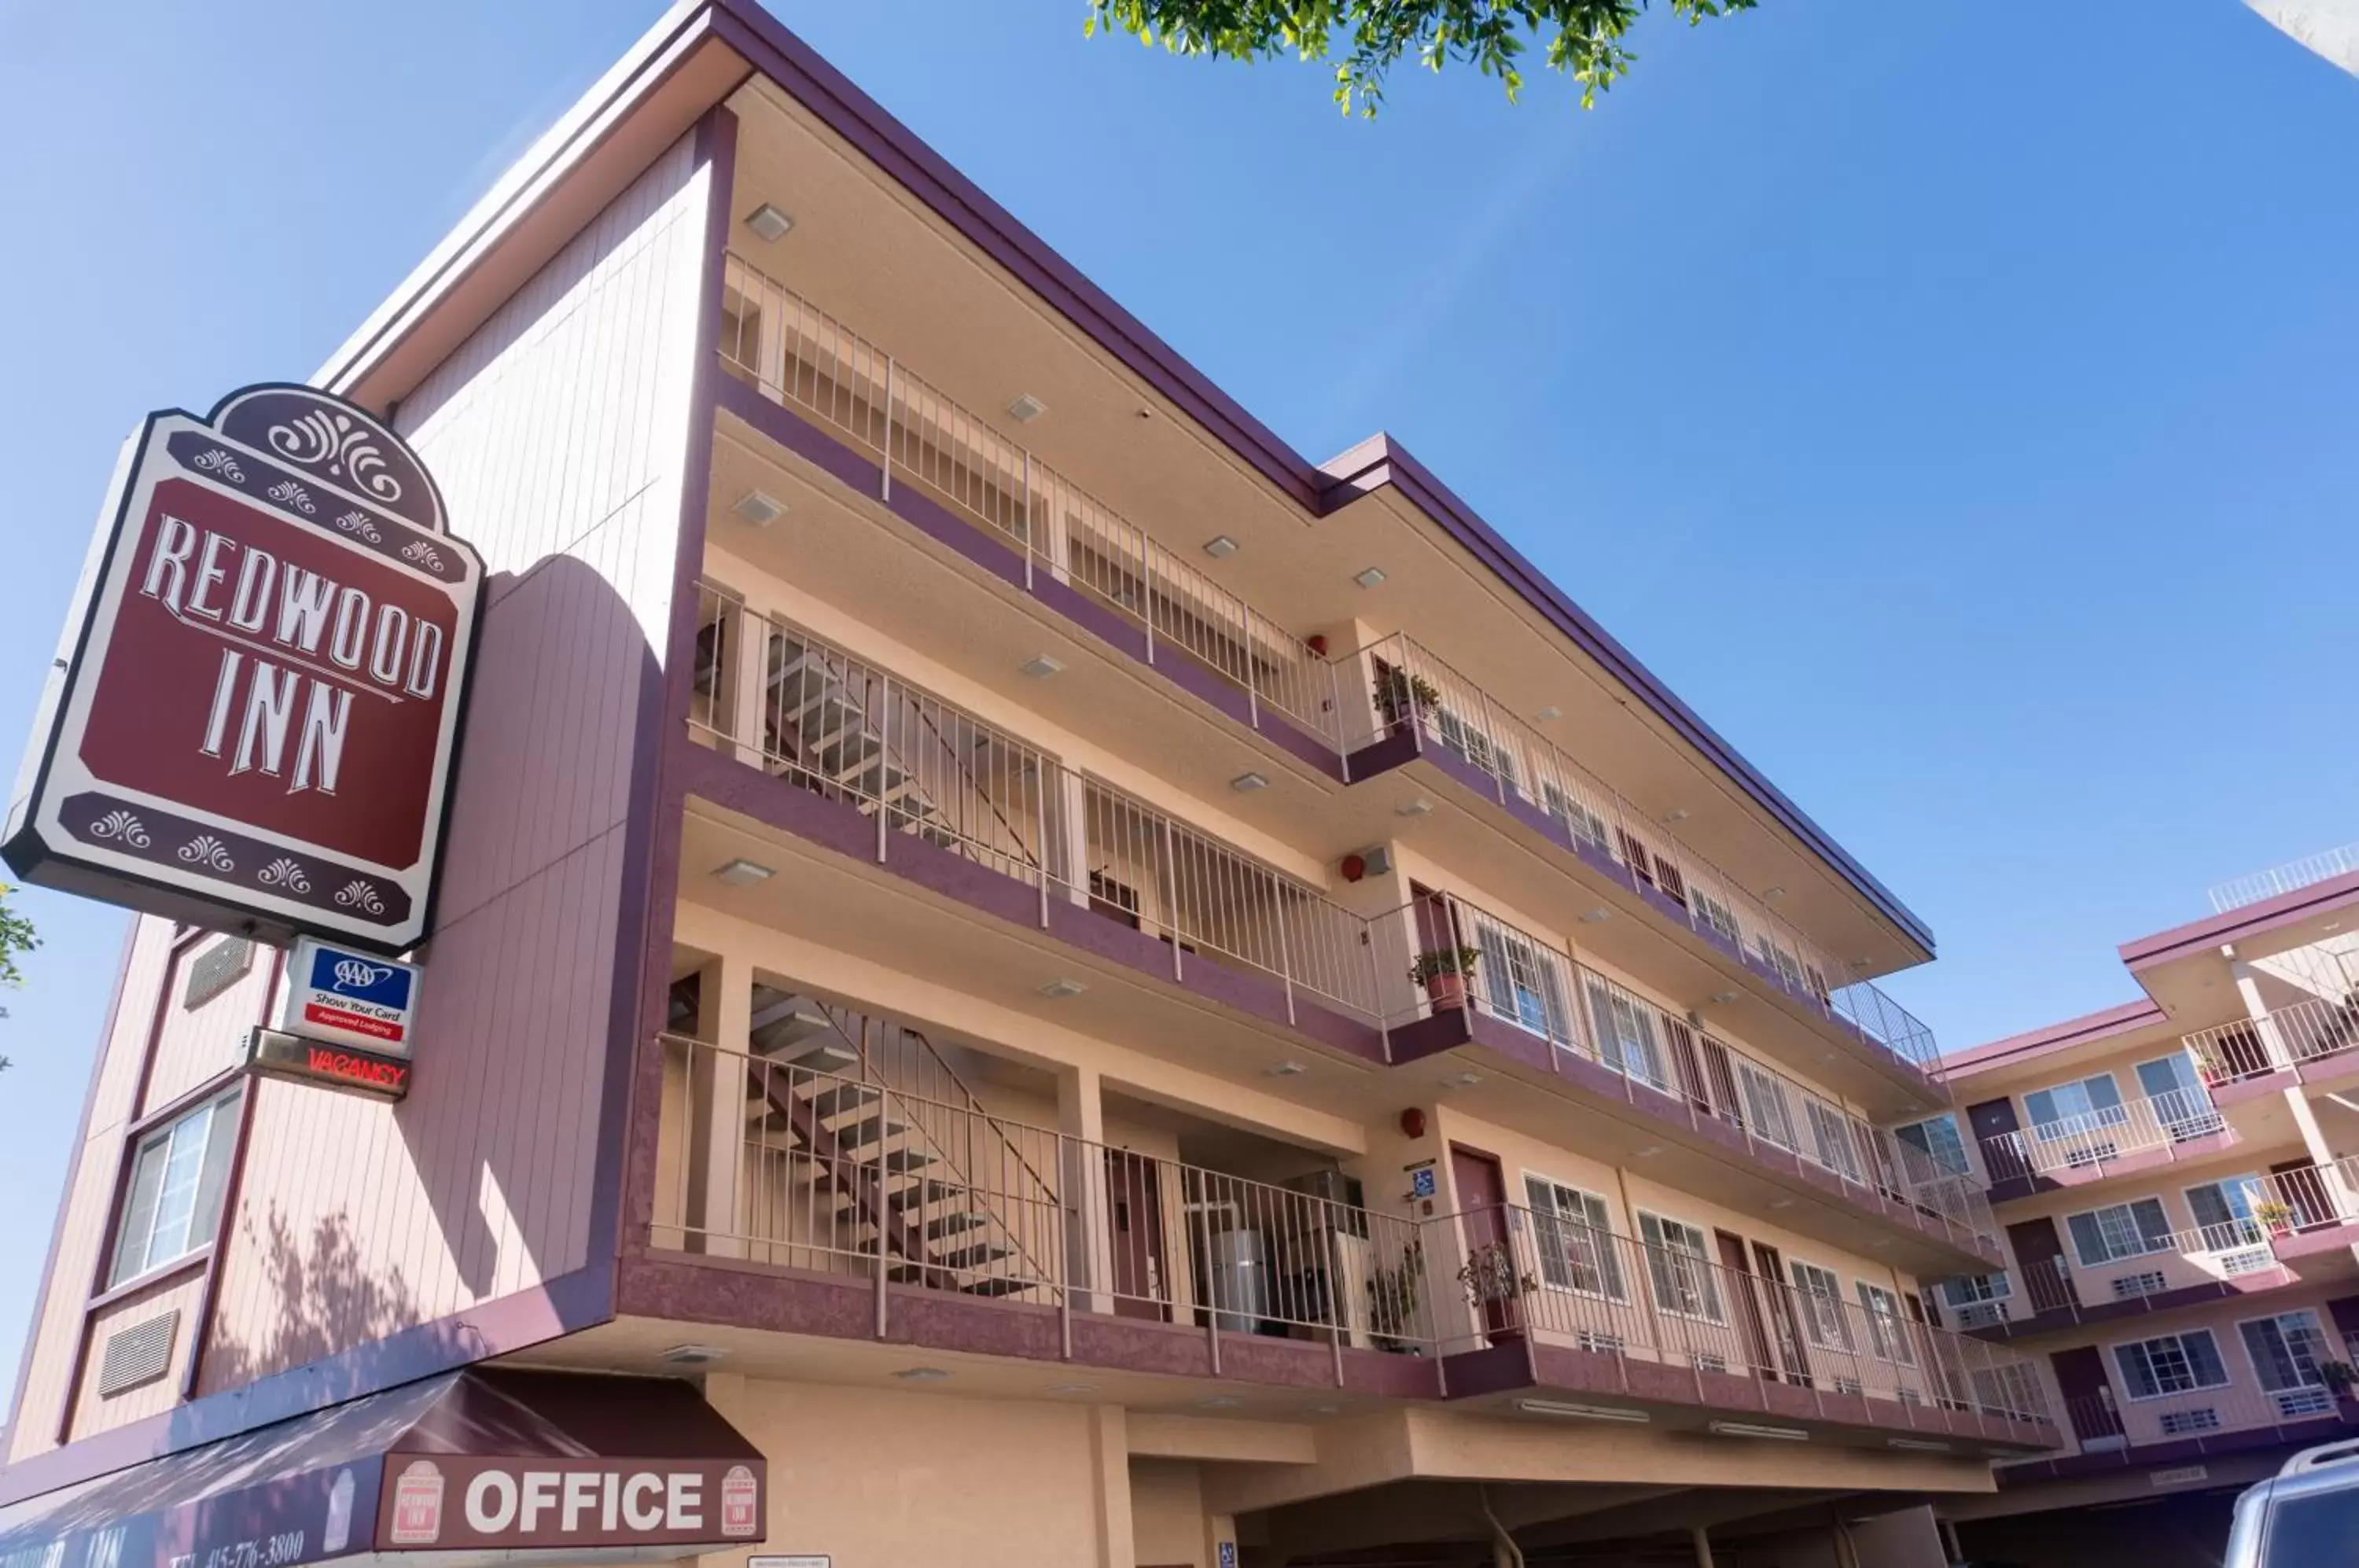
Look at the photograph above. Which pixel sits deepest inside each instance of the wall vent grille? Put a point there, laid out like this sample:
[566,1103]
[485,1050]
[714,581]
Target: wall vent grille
[220,966]
[138,1355]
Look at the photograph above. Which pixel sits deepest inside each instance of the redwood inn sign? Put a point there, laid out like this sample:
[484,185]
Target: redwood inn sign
[252,720]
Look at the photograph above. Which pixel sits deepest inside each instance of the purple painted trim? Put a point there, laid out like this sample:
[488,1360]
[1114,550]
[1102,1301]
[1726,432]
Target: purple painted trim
[2106,1023]
[163,1273]
[2139,1456]
[1494,1369]
[2214,930]
[2209,1293]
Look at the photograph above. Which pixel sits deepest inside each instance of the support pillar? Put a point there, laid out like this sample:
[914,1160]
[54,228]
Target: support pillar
[1109,1476]
[1089,1236]
[718,1086]
[1703,1539]
[746,647]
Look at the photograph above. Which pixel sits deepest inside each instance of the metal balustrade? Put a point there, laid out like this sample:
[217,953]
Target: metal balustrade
[2262,885]
[2310,1197]
[2087,1141]
[769,1160]
[1586,1287]
[2286,1038]
[795,353]
[2109,1423]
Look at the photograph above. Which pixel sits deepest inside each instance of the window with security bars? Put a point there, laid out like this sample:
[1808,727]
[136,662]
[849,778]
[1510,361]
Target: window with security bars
[1968,1289]
[1579,820]
[2121,1230]
[2286,1351]
[1888,1332]
[1679,1265]
[1938,1140]
[1572,1230]
[2172,1364]
[1818,1296]
[1714,912]
[2224,1212]
[1831,1133]
[1626,1034]
[1766,1112]
[1522,983]
[173,1203]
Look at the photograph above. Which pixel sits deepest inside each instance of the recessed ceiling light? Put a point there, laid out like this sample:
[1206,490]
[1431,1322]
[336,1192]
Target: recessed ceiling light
[742,873]
[1781,1203]
[1676,814]
[1881,1242]
[1650,1151]
[1752,1429]
[1915,1446]
[1463,1080]
[1221,1403]
[768,223]
[1325,1410]
[1778,892]
[1285,1070]
[1071,1388]
[1579,1412]
[1550,712]
[1416,808]
[1220,547]
[1025,408]
[1596,915]
[1369,578]
[1041,666]
[1722,999]
[760,509]
[1247,783]
[1059,989]
[694,1355]
[921,1374]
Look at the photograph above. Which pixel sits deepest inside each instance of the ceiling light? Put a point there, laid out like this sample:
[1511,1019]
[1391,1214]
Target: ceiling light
[1285,1070]
[1041,666]
[1369,578]
[1581,1412]
[1026,408]
[1463,1080]
[743,873]
[1220,547]
[1071,1388]
[1749,1429]
[1648,1152]
[921,1374]
[1881,1242]
[1221,1403]
[769,224]
[1326,1410]
[1596,915]
[694,1355]
[760,509]
[1722,999]
[1059,989]
[1247,782]
[1781,1203]
[1416,808]
[1915,1446]
[1676,814]
[1550,712]
[1777,892]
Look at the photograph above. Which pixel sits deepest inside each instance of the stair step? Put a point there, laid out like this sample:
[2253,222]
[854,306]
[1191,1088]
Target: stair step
[906,1159]
[952,1223]
[867,1131]
[924,1194]
[837,1098]
[974,1257]
[996,1285]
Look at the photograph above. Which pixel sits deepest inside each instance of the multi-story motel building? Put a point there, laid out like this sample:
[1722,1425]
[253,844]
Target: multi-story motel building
[2177,1182]
[1085,988]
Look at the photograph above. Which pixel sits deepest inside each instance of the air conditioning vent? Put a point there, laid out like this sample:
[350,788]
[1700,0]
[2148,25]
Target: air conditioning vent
[2131,1287]
[2304,1403]
[2181,1423]
[2251,1260]
[1981,1315]
[138,1355]
[220,966]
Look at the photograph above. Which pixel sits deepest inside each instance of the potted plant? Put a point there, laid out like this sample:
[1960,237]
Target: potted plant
[1392,1301]
[2275,1216]
[1495,1286]
[1399,692]
[2339,1375]
[1442,973]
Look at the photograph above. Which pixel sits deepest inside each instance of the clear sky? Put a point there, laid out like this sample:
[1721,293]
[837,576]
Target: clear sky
[1955,401]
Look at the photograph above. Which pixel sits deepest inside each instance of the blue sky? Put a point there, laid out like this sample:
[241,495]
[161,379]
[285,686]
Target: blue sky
[1952,400]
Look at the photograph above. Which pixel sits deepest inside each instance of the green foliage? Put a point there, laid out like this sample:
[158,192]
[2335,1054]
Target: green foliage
[1582,39]
[15,937]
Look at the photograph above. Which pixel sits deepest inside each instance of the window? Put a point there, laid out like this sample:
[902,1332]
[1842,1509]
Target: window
[1832,1131]
[2072,1109]
[1819,1294]
[2286,1350]
[1713,913]
[1569,809]
[2182,1107]
[174,1201]
[2125,1230]
[1521,981]
[2171,1364]
[1766,1110]
[1626,1034]
[1938,1141]
[1575,1239]
[1888,1332]
[2224,1212]
[1971,1289]
[1679,1265]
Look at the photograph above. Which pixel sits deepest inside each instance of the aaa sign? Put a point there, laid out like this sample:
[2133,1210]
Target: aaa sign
[256,709]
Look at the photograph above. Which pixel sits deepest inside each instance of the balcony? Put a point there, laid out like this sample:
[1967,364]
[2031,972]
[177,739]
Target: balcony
[2112,1431]
[2312,1215]
[2136,1135]
[2307,1042]
[2186,1268]
[887,774]
[1006,509]
[2292,876]
[807,1193]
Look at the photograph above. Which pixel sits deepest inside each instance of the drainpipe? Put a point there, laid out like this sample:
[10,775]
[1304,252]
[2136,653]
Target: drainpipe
[1505,1552]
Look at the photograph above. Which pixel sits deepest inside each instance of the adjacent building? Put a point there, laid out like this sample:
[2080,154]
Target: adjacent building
[1023,975]
[2177,1182]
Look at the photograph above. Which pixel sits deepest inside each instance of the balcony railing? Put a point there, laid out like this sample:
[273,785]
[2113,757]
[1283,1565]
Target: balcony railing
[769,1161]
[795,353]
[2107,1422]
[2263,885]
[1584,1287]
[2091,1140]
[1406,690]
[2310,1198]
[2177,1261]
[2288,1038]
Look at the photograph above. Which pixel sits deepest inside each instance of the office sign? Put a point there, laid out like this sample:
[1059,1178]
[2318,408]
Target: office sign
[344,996]
[443,1500]
[253,719]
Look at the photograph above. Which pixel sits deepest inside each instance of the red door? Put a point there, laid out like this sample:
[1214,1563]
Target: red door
[1791,1352]
[1134,1216]
[1490,1251]
[1993,1121]
[2041,1253]
[1748,1305]
[2088,1397]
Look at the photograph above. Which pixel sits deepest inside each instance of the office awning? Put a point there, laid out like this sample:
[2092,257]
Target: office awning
[485,1464]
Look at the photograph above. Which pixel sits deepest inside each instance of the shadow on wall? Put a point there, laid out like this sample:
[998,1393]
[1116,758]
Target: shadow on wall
[326,1298]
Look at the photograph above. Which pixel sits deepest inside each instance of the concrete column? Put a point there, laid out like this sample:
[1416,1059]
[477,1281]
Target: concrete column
[2248,988]
[718,1087]
[746,644]
[1703,1539]
[1068,825]
[1109,1476]
[1089,1240]
[1221,1534]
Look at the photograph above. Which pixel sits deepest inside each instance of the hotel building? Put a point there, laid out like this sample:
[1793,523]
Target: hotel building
[1038,975]
[2179,1189]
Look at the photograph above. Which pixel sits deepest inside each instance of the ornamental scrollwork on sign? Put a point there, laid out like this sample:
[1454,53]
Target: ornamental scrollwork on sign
[318,440]
[120,825]
[213,460]
[357,522]
[423,553]
[286,493]
[361,895]
[208,851]
[284,873]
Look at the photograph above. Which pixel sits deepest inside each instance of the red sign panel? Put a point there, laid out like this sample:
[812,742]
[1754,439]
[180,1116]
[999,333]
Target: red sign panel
[256,712]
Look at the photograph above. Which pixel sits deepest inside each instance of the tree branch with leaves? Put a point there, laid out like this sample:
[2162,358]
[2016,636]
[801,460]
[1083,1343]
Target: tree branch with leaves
[1579,38]
[16,939]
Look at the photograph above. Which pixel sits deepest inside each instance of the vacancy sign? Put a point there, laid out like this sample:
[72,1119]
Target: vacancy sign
[253,719]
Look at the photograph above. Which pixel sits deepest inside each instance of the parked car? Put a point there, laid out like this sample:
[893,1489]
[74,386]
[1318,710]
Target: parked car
[2306,1516]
